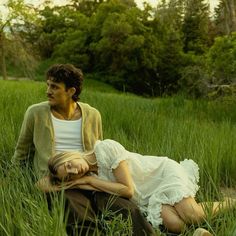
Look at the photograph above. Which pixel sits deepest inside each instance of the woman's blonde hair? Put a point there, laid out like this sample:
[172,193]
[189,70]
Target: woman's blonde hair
[64,157]
[60,159]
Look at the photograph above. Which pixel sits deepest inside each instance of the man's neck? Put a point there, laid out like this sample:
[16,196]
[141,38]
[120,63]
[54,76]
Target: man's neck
[68,112]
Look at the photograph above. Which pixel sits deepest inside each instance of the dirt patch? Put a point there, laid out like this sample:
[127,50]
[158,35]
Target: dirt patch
[229,192]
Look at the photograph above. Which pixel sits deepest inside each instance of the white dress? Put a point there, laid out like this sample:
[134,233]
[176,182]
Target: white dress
[157,180]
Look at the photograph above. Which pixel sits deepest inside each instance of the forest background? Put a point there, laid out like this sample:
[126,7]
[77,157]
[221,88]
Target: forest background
[178,46]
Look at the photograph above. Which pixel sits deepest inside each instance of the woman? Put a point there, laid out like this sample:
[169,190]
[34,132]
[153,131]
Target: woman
[163,189]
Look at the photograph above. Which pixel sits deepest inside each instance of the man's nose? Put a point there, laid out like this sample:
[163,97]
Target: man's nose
[48,91]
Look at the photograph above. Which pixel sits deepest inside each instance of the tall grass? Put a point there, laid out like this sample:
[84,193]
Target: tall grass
[204,131]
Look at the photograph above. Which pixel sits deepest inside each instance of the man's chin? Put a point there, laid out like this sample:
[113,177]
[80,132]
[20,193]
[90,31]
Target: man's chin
[50,102]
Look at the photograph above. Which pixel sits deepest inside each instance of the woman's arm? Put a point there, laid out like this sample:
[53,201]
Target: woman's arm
[45,185]
[123,187]
[85,187]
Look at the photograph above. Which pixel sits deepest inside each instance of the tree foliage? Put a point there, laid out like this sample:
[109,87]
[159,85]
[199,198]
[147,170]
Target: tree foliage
[11,43]
[151,51]
[225,17]
[221,60]
[195,26]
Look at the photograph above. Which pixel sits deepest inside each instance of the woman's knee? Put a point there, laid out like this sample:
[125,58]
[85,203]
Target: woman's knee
[190,211]
[171,219]
[175,225]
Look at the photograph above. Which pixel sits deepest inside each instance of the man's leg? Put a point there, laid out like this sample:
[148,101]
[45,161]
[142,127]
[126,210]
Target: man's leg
[81,216]
[79,202]
[125,207]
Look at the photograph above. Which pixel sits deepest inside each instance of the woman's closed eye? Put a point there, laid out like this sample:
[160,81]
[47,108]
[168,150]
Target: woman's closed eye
[70,169]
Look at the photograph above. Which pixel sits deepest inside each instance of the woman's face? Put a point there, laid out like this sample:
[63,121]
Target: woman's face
[72,169]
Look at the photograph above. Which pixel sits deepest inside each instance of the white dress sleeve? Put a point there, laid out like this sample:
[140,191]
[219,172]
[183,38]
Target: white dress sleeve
[109,153]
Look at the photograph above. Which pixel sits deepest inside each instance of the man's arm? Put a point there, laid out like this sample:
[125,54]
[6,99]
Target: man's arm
[91,126]
[25,141]
[99,126]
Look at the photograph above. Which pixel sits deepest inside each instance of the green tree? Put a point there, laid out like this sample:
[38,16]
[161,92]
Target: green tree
[55,23]
[18,14]
[74,47]
[167,28]
[221,60]
[125,48]
[225,17]
[196,26]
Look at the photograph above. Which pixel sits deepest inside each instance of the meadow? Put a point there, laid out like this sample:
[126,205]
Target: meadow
[204,131]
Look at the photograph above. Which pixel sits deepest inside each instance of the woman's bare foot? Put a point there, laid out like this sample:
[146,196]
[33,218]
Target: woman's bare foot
[201,232]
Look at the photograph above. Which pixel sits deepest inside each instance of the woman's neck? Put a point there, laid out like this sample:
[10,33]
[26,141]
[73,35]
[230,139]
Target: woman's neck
[92,161]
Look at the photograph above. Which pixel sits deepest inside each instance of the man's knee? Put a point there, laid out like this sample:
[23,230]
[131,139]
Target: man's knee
[79,206]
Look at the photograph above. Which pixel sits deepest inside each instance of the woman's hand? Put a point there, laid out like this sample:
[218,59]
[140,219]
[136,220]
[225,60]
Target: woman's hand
[45,185]
[80,181]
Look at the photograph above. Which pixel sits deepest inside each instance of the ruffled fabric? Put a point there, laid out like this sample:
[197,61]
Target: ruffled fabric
[172,196]
[109,154]
[157,180]
[192,169]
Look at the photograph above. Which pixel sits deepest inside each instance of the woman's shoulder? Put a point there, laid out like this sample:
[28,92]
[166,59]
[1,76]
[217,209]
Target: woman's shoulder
[109,153]
[109,146]
[110,142]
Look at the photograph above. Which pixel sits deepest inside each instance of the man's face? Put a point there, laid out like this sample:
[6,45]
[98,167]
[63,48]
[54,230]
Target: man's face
[57,93]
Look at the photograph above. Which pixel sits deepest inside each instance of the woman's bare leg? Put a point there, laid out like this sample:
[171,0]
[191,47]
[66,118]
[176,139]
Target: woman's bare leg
[171,219]
[192,212]
[214,207]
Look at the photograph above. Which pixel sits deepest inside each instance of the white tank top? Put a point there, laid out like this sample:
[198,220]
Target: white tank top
[67,135]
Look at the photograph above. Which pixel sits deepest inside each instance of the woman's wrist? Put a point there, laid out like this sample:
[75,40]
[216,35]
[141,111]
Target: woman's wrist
[89,180]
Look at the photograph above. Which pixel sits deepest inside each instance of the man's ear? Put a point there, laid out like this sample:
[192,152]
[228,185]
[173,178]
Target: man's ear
[72,91]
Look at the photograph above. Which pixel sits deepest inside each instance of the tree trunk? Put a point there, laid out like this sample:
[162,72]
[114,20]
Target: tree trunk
[227,17]
[2,55]
[233,16]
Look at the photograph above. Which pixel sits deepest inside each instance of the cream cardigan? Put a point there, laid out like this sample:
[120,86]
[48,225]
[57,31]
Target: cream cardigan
[36,139]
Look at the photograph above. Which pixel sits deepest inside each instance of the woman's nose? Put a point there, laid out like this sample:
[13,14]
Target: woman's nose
[73,171]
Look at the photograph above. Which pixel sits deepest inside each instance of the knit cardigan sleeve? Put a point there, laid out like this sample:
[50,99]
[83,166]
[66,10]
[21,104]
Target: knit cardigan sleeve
[91,126]
[24,147]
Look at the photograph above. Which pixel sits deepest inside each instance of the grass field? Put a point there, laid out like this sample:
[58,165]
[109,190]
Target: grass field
[204,131]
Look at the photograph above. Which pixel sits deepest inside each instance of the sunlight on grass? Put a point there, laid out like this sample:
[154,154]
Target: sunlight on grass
[204,131]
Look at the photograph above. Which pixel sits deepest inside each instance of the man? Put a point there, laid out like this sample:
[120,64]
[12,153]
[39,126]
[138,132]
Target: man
[64,124]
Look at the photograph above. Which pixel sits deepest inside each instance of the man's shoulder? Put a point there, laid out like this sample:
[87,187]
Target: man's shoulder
[85,107]
[42,106]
